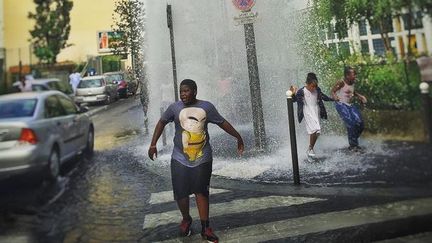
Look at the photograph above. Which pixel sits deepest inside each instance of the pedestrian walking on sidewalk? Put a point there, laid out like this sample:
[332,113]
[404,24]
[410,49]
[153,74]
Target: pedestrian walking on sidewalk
[343,93]
[25,84]
[191,159]
[310,106]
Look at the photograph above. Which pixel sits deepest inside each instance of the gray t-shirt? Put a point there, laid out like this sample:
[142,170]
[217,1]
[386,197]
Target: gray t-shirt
[191,139]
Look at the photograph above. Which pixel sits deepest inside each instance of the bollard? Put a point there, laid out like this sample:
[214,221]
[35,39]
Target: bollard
[294,156]
[424,88]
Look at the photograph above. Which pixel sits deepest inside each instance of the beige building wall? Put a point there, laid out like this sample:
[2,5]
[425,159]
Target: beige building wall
[1,25]
[87,17]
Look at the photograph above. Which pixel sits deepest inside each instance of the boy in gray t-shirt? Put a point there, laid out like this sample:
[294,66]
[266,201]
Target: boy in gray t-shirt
[191,160]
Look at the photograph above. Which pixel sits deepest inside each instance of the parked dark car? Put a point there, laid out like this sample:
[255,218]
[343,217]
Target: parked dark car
[124,85]
[41,130]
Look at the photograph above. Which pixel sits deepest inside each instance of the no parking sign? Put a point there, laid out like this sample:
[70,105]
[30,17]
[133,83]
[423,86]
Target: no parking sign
[244,5]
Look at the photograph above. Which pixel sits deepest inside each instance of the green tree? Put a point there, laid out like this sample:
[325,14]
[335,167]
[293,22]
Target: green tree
[51,30]
[378,13]
[129,20]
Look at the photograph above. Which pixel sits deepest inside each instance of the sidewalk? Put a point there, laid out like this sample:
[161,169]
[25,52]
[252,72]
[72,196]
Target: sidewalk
[390,197]
[382,194]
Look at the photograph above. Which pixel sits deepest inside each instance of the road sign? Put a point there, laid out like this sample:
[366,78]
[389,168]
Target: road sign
[244,5]
[246,18]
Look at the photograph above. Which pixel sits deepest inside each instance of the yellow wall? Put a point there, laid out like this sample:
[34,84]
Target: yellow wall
[87,17]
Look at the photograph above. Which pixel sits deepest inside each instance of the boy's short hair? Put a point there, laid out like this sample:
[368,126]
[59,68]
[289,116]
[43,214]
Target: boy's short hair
[311,77]
[190,83]
[347,70]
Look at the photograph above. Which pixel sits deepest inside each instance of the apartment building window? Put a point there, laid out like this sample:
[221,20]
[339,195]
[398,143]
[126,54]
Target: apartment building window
[374,29]
[378,45]
[333,49]
[388,26]
[362,27]
[379,48]
[364,44]
[331,32]
[416,20]
[344,48]
[341,26]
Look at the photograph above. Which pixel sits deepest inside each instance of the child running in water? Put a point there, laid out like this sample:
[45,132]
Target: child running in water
[310,106]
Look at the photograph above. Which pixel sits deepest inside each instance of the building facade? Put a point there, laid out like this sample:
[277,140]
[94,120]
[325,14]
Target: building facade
[364,38]
[87,19]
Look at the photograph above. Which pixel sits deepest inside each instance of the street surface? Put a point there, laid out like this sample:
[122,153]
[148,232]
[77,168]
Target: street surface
[121,196]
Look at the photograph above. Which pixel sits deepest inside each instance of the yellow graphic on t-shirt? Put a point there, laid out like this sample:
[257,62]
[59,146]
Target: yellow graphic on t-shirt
[192,120]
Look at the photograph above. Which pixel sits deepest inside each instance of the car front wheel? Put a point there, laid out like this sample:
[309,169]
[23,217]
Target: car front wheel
[108,100]
[89,149]
[53,170]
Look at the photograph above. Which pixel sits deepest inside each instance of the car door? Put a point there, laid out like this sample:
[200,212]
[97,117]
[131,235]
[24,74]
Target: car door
[60,125]
[77,131]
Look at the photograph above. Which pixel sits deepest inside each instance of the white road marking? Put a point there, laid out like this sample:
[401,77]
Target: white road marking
[167,196]
[322,222]
[236,206]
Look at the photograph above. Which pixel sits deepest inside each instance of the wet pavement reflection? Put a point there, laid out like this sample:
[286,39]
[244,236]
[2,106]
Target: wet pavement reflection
[120,196]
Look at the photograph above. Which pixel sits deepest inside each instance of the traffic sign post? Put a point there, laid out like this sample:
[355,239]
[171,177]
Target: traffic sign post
[247,18]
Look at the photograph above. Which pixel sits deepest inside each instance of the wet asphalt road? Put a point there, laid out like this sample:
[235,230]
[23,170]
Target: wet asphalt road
[106,198]
[96,200]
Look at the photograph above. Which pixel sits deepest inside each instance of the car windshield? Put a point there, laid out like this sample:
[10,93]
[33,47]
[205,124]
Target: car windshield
[17,108]
[114,77]
[61,86]
[90,83]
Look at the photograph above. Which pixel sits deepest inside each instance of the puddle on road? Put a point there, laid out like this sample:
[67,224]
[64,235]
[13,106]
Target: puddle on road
[110,141]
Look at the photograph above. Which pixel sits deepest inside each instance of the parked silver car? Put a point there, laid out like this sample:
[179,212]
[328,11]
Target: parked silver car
[41,130]
[42,84]
[96,89]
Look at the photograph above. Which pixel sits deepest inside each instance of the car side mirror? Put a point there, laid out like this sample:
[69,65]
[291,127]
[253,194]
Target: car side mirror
[83,109]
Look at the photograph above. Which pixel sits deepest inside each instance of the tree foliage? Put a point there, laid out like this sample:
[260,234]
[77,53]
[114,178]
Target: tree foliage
[374,72]
[378,13]
[52,26]
[129,20]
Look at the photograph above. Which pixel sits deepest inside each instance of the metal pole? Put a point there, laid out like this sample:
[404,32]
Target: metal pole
[294,156]
[30,58]
[19,64]
[427,106]
[164,142]
[173,58]
[254,84]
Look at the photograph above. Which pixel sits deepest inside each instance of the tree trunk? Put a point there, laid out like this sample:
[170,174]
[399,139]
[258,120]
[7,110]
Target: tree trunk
[384,36]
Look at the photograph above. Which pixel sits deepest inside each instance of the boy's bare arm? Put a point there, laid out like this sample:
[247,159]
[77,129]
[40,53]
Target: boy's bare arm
[361,97]
[227,127]
[336,88]
[152,151]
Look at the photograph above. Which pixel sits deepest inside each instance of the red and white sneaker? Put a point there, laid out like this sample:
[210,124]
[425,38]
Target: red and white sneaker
[185,227]
[209,236]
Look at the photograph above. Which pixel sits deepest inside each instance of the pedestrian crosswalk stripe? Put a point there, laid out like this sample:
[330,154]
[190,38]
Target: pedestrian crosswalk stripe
[167,196]
[236,206]
[323,222]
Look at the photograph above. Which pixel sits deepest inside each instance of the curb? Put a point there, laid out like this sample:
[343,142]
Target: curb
[91,113]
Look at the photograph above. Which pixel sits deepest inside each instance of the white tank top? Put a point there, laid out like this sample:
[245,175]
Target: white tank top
[346,93]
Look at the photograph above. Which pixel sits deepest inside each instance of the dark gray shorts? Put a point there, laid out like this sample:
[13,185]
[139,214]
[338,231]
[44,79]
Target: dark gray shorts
[190,180]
